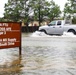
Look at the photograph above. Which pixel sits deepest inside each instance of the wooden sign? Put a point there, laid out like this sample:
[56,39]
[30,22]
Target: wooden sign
[10,35]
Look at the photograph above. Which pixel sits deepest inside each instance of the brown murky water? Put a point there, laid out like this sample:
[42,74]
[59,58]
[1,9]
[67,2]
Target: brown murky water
[40,56]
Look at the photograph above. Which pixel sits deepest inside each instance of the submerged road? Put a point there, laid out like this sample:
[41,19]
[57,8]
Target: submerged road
[53,55]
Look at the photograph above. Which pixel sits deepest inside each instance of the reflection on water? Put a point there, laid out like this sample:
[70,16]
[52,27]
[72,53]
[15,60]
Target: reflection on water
[53,55]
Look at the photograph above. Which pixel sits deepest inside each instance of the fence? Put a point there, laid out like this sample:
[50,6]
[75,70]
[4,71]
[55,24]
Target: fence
[29,28]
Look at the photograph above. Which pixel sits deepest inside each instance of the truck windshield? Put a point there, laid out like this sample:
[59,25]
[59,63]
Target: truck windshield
[52,23]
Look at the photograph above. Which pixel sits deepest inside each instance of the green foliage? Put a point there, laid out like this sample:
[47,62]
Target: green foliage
[16,10]
[54,10]
[44,8]
[70,7]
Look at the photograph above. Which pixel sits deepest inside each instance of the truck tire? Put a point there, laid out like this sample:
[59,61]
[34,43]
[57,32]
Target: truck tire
[43,31]
[71,30]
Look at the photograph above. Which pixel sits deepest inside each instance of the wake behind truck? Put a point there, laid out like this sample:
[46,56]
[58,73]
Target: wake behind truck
[58,27]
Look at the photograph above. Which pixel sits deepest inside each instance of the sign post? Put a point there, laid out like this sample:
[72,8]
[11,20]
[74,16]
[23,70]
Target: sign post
[10,35]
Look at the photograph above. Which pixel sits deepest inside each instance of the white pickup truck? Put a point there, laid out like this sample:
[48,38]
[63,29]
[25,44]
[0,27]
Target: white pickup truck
[58,27]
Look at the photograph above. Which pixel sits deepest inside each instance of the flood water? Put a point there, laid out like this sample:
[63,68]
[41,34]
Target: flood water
[41,55]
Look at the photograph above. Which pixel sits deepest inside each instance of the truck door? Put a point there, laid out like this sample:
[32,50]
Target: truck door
[51,28]
[59,28]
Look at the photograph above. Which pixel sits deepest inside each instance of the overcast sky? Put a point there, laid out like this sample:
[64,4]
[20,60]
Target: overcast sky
[61,3]
[2,3]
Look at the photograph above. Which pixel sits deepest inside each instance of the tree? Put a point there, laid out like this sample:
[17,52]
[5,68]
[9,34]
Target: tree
[43,8]
[54,10]
[16,10]
[70,8]
[38,7]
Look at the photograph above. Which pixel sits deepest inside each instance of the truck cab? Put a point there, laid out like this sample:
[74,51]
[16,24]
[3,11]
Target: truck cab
[55,27]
